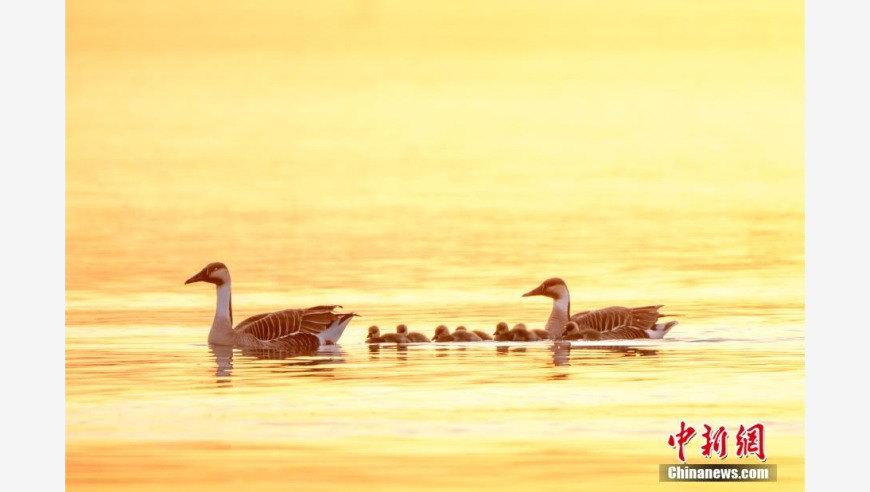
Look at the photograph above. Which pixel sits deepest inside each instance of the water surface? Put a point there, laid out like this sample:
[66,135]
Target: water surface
[427,166]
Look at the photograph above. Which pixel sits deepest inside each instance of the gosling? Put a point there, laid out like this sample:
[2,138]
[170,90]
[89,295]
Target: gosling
[480,333]
[413,336]
[374,336]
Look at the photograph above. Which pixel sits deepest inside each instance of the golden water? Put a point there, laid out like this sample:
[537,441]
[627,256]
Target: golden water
[427,164]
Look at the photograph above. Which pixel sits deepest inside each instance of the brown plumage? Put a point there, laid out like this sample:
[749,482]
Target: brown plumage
[413,336]
[574,332]
[608,319]
[287,330]
[277,324]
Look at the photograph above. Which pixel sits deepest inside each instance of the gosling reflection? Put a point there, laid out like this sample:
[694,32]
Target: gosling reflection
[561,352]
[377,351]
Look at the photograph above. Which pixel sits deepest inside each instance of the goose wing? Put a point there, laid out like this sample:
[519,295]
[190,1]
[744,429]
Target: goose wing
[624,333]
[608,319]
[281,324]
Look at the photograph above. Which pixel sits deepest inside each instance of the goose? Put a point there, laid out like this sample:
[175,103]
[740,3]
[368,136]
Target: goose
[573,332]
[607,319]
[374,336]
[412,336]
[480,333]
[286,330]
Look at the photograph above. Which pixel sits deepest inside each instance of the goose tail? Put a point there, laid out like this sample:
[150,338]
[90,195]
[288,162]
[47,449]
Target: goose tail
[331,335]
[661,329]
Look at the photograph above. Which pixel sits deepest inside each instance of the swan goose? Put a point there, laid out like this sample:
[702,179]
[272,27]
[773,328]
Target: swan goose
[286,330]
[607,319]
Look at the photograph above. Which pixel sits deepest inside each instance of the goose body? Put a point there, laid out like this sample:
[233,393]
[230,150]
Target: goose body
[285,330]
[413,336]
[574,332]
[601,320]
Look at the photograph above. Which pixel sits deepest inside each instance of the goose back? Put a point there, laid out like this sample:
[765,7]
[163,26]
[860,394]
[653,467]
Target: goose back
[610,318]
[279,324]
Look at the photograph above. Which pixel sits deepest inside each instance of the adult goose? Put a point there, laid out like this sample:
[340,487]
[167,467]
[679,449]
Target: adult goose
[286,330]
[642,318]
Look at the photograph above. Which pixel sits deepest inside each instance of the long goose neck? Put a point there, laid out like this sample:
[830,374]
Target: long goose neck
[222,327]
[559,316]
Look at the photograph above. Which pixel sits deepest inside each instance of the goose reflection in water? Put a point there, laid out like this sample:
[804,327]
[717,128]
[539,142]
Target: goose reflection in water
[330,354]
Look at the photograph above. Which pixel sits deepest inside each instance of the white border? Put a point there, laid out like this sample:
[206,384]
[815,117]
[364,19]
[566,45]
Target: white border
[32,132]
[837,248]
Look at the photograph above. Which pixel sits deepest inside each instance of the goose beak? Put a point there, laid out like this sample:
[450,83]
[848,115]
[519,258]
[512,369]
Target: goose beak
[537,291]
[199,277]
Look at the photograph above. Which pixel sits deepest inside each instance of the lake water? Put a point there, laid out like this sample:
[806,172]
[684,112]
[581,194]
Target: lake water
[420,183]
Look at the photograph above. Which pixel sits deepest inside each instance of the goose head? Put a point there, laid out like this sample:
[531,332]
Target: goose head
[213,273]
[501,329]
[461,328]
[554,288]
[374,332]
[402,329]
